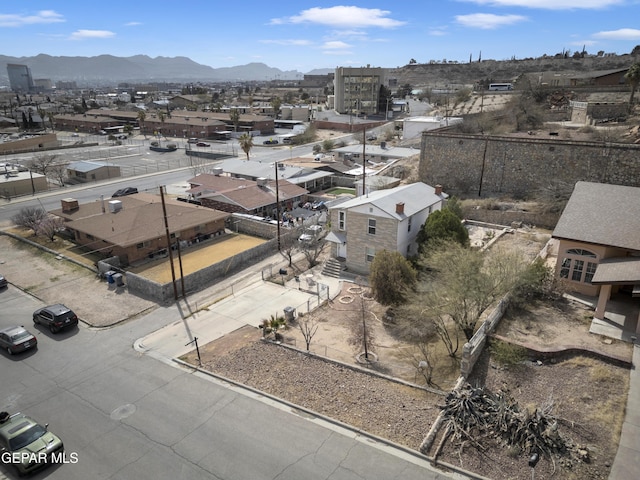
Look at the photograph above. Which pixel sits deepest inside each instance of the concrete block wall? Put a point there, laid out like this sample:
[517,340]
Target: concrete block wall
[486,166]
[164,293]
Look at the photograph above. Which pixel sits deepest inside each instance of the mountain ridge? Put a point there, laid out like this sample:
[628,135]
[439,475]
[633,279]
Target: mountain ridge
[109,69]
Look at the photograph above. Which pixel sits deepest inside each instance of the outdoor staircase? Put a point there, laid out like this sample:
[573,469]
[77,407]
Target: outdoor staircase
[332,268]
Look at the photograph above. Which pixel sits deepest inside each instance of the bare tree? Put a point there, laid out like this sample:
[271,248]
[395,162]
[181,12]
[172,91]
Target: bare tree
[362,334]
[50,226]
[58,173]
[308,326]
[422,361]
[312,250]
[30,217]
[42,164]
[289,244]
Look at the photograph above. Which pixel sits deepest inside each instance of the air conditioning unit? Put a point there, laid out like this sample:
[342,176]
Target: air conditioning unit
[261,182]
[115,206]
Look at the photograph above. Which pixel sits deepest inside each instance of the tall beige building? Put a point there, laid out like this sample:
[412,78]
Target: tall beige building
[357,89]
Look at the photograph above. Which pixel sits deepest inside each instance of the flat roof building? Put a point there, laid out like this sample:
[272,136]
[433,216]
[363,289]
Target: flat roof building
[20,78]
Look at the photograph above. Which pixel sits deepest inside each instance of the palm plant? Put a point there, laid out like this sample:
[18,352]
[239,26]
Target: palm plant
[272,325]
[246,143]
[633,79]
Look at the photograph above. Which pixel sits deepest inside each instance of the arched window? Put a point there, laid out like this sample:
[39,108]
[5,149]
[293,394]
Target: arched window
[575,266]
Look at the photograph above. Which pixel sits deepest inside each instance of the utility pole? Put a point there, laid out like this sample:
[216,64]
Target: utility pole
[168,237]
[364,160]
[275,164]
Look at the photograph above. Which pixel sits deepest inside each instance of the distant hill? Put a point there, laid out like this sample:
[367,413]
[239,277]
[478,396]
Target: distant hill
[503,70]
[108,70]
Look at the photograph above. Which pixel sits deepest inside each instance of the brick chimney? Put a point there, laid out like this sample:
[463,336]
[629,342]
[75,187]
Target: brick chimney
[438,189]
[400,208]
[69,205]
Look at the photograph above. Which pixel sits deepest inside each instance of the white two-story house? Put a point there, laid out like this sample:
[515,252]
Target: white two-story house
[381,220]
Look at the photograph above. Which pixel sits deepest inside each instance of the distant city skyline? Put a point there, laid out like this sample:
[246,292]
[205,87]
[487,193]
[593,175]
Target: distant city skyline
[304,35]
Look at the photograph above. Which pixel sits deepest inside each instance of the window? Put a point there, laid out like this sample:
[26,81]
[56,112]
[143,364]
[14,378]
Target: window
[409,224]
[578,265]
[575,269]
[580,252]
[591,270]
[371,230]
[370,253]
[565,267]
[342,216]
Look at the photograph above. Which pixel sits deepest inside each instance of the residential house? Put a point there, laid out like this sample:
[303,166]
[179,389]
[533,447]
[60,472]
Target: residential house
[599,242]
[87,171]
[133,227]
[308,178]
[238,195]
[381,220]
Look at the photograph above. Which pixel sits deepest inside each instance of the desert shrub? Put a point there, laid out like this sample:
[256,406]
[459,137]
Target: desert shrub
[507,354]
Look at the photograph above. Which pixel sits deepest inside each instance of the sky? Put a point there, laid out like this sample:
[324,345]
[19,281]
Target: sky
[302,36]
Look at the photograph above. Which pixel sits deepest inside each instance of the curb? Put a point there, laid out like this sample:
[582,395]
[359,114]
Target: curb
[296,408]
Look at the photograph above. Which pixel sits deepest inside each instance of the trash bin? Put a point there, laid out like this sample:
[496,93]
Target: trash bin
[117,277]
[289,313]
[109,276]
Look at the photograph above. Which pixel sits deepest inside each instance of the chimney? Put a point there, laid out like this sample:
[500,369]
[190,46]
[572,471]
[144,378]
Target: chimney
[438,189]
[69,205]
[400,208]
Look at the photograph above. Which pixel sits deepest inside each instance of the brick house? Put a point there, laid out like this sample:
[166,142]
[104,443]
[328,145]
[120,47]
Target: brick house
[239,195]
[599,242]
[133,227]
[381,220]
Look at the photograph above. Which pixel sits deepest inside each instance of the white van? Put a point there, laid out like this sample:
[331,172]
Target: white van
[192,140]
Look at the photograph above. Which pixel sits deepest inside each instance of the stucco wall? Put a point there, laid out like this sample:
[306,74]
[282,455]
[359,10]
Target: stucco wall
[489,166]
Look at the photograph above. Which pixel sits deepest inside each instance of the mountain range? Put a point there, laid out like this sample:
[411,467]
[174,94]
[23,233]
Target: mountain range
[109,69]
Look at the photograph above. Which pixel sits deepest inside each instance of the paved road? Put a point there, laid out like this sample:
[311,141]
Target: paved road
[128,415]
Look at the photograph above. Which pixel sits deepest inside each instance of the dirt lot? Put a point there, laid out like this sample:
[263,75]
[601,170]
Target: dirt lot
[53,280]
[588,396]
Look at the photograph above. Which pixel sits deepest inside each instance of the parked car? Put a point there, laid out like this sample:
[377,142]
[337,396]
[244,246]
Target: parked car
[202,144]
[124,192]
[26,444]
[270,142]
[17,339]
[122,136]
[56,317]
[192,140]
[310,234]
[3,281]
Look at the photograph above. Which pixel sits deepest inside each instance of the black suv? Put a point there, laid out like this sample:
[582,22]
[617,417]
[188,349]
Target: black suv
[56,317]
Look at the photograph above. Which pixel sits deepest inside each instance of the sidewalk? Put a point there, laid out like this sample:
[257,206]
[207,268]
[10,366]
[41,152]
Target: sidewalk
[626,465]
[249,304]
